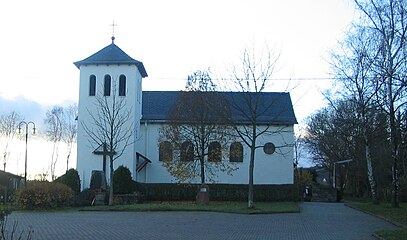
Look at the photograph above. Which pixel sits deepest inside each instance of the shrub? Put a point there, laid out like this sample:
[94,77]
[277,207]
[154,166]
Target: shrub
[44,195]
[71,179]
[304,177]
[85,197]
[122,181]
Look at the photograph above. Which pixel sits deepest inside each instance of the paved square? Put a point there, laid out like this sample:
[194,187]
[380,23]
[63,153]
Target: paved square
[316,221]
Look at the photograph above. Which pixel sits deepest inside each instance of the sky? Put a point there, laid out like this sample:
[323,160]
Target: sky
[41,39]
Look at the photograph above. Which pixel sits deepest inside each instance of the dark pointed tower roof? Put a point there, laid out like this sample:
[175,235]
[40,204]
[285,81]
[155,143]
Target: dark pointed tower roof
[112,54]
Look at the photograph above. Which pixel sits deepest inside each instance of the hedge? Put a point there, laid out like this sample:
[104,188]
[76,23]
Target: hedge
[44,195]
[220,192]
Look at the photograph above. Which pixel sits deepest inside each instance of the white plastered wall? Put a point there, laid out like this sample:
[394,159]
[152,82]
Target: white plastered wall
[86,160]
[276,168]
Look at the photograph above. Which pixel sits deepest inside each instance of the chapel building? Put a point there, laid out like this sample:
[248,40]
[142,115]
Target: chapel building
[112,75]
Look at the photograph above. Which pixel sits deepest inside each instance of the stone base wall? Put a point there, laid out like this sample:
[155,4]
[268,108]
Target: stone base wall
[324,194]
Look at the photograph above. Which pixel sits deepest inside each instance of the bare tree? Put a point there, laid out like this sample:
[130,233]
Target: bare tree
[111,126]
[299,147]
[328,134]
[252,78]
[354,69]
[386,21]
[8,125]
[70,129]
[335,133]
[403,137]
[196,127]
[55,130]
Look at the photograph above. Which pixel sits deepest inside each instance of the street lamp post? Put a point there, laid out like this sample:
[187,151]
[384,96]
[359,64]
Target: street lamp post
[27,124]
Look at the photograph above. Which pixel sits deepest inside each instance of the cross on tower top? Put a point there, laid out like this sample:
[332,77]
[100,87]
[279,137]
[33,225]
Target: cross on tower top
[113,25]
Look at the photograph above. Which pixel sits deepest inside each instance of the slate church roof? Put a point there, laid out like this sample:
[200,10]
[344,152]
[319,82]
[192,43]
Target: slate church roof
[274,107]
[112,54]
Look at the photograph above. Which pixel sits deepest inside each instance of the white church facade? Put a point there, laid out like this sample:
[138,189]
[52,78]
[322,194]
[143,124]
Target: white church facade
[110,75]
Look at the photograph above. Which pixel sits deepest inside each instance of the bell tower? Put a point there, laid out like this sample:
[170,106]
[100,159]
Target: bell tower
[110,90]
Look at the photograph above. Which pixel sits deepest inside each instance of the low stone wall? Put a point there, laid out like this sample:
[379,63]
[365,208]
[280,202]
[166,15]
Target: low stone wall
[324,194]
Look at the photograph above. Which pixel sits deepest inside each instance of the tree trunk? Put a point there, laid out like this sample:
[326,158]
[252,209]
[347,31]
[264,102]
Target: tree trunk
[202,171]
[251,168]
[395,176]
[67,162]
[202,150]
[394,144]
[370,177]
[251,172]
[111,182]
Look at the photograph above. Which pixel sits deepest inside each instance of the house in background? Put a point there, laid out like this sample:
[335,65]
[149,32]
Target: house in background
[9,183]
[111,73]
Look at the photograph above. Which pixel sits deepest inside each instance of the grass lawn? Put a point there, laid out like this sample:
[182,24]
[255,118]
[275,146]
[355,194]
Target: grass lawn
[385,210]
[7,208]
[226,207]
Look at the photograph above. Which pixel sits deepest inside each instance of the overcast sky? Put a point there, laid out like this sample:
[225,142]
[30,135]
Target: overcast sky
[41,39]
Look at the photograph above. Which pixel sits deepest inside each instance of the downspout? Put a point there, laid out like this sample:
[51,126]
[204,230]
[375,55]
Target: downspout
[136,136]
[146,149]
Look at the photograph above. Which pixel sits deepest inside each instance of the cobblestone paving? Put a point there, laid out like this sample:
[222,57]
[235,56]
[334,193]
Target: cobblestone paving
[316,221]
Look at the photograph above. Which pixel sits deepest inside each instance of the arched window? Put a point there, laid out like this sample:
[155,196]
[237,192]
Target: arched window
[214,152]
[165,151]
[92,85]
[122,85]
[107,86]
[236,152]
[187,151]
